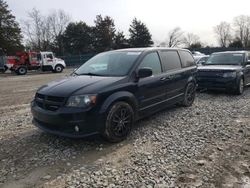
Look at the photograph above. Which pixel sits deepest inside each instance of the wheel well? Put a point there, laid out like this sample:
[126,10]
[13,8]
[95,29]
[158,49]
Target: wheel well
[191,81]
[59,65]
[129,101]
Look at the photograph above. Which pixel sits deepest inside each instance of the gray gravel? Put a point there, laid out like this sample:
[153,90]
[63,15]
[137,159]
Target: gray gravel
[206,145]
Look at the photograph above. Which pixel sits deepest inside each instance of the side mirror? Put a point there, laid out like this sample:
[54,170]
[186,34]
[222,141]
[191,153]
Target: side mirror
[144,72]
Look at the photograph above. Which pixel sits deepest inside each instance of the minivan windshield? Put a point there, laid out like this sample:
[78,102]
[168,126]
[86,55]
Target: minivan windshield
[225,59]
[115,63]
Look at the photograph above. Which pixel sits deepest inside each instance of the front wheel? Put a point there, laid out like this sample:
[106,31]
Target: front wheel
[58,69]
[240,87]
[189,94]
[119,122]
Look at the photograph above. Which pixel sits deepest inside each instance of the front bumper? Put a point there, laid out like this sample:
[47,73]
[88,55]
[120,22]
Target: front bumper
[217,83]
[64,121]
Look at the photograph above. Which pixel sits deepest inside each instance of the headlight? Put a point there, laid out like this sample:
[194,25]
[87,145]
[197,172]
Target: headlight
[81,101]
[229,74]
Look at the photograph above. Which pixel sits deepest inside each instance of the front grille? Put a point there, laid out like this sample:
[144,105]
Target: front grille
[210,74]
[51,103]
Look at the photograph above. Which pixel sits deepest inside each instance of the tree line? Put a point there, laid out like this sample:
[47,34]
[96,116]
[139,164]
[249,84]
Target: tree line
[235,34]
[58,33]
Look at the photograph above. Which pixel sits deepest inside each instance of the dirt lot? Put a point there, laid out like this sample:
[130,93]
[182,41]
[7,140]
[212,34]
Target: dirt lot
[206,145]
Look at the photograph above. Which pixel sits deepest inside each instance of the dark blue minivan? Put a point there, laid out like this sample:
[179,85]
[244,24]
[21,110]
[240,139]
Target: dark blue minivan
[112,90]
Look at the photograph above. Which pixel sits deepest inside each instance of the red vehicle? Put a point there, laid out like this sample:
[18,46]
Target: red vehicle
[3,66]
[24,61]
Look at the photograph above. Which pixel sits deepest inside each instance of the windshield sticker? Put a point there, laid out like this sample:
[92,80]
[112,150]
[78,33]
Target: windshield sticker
[133,53]
[240,55]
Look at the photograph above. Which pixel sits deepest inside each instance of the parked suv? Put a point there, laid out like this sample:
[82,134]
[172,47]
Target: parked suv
[225,70]
[113,89]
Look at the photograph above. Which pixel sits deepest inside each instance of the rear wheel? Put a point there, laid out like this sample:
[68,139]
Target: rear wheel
[189,94]
[58,68]
[5,68]
[240,87]
[21,71]
[119,122]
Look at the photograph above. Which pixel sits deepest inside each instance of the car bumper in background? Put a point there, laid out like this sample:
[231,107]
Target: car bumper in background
[217,83]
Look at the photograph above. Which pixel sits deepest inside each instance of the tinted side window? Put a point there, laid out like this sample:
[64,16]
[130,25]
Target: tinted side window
[152,61]
[186,59]
[171,60]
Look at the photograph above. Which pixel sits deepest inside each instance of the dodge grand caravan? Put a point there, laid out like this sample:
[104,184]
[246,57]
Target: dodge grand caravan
[112,90]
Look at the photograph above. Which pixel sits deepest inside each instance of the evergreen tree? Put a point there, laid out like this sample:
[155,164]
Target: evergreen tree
[104,33]
[10,32]
[196,45]
[120,41]
[139,34]
[236,43]
[77,38]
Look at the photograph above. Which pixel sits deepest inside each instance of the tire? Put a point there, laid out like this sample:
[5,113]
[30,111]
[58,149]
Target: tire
[58,69]
[5,69]
[119,122]
[240,87]
[21,71]
[189,94]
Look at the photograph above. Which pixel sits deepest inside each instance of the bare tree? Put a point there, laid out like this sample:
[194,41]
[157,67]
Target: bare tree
[58,21]
[175,37]
[33,28]
[242,29]
[223,32]
[191,39]
[42,31]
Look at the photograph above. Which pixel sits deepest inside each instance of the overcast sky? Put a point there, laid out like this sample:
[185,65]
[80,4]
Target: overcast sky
[160,16]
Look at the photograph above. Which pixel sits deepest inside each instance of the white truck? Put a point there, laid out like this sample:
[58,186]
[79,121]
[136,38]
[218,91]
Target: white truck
[45,61]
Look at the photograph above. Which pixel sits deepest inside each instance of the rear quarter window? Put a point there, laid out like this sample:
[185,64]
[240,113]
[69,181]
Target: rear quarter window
[187,59]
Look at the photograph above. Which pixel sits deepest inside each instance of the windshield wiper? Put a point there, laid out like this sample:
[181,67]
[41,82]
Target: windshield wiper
[90,74]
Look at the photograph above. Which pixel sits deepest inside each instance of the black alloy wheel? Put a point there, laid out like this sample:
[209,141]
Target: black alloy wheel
[189,94]
[119,122]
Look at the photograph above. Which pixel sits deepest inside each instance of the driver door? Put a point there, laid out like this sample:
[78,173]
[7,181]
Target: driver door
[151,90]
[47,59]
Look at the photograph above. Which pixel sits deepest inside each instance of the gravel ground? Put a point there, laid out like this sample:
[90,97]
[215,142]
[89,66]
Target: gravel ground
[206,145]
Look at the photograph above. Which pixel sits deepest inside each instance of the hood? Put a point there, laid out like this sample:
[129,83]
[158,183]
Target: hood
[80,84]
[58,59]
[219,67]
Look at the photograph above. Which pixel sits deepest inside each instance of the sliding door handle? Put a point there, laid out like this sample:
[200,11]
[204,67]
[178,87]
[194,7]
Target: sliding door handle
[163,79]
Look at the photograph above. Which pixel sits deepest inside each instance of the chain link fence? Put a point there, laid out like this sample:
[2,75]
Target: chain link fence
[76,60]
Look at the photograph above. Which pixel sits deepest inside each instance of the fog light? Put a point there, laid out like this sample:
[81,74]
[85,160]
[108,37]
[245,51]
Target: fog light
[76,128]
